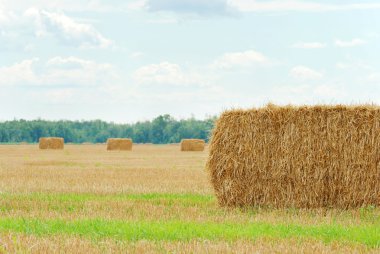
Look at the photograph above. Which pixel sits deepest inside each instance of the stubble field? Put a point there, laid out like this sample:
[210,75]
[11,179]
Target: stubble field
[152,199]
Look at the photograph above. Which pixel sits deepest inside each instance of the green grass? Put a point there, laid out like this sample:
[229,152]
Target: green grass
[185,231]
[366,231]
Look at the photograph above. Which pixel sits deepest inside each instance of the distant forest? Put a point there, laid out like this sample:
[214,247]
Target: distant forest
[161,130]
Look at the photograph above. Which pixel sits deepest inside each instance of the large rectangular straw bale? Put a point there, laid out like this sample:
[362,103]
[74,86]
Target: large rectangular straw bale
[51,143]
[304,157]
[192,145]
[121,144]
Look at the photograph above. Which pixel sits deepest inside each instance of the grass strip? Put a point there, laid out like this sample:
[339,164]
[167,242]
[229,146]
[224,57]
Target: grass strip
[186,231]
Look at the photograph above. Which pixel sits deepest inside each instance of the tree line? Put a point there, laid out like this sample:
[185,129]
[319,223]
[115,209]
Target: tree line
[163,129]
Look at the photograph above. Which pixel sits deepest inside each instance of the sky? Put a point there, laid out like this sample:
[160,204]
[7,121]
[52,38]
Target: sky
[127,61]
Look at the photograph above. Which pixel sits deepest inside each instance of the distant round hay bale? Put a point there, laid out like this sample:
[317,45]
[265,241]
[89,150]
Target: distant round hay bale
[53,143]
[303,157]
[192,145]
[120,144]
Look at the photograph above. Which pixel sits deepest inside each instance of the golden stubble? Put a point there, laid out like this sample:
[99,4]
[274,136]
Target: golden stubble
[92,169]
[25,169]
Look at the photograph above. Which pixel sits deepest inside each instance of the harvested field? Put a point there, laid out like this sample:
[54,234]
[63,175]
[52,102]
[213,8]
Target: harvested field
[303,157]
[154,199]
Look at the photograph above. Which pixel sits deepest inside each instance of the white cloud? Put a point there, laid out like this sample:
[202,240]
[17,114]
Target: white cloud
[294,5]
[137,5]
[240,59]
[164,73]
[305,73]
[352,43]
[3,17]
[58,71]
[309,45]
[67,29]
[6,16]
[22,72]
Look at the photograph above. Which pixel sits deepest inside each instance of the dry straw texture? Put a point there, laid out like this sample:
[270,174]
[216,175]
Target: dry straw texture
[192,145]
[51,143]
[306,157]
[121,144]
